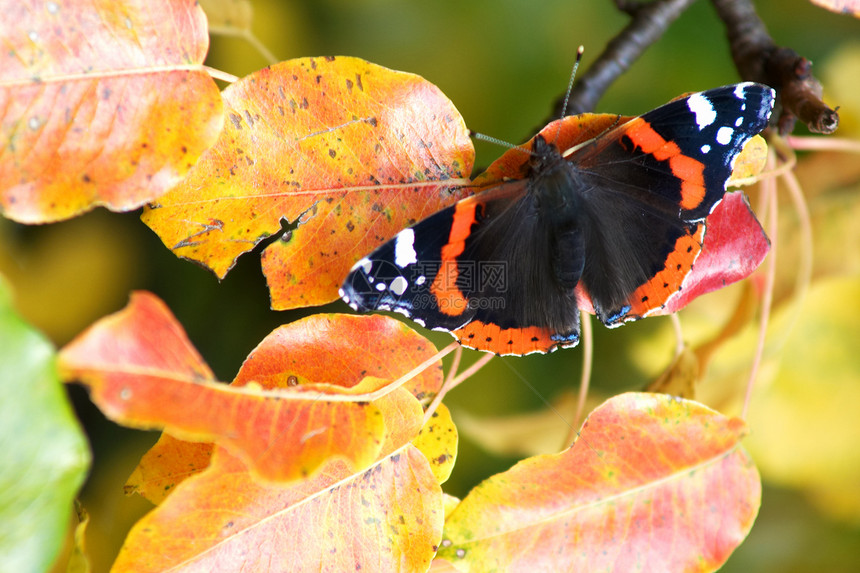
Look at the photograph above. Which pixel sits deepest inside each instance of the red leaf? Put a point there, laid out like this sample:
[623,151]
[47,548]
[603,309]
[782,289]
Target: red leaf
[734,247]
[104,103]
[654,483]
[349,150]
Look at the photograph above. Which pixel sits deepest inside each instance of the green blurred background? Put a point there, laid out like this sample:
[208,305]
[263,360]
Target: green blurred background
[503,63]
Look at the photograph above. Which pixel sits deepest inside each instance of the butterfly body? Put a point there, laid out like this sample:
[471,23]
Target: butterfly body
[617,221]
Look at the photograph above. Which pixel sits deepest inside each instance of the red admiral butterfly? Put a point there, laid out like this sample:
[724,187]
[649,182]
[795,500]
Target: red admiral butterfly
[617,220]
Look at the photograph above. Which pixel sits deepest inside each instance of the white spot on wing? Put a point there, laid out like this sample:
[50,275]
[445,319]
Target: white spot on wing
[420,280]
[380,287]
[702,109]
[398,286]
[739,121]
[364,264]
[740,92]
[404,248]
[705,149]
[724,135]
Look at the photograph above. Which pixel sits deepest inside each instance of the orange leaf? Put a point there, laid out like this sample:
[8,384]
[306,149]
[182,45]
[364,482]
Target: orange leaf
[136,365]
[386,518]
[103,103]
[350,151]
[167,464]
[314,343]
[654,483]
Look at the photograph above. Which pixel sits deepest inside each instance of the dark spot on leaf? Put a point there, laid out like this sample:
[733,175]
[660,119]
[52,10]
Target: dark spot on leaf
[328,58]
[305,104]
[318,79]
[237,120]
[281,110]
[349,226]
[86,178]
[106,93]
[184,149]
[358,82]
[372,121]
[292,380]
[281,91]
[332,153]
[349,85]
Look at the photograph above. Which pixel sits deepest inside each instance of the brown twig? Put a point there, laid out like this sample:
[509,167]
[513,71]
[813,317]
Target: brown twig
[758,58]
[649,22]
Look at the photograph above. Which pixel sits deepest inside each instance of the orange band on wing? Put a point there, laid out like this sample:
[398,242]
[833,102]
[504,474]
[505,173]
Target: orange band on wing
[654,294]
[450,300]
[690,171]
[519,341]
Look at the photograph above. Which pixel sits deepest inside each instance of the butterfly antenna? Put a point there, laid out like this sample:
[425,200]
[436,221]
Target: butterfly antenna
[497,141]
[579,52]
[502,143]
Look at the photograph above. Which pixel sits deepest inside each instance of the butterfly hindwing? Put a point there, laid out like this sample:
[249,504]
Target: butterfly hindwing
[653,181]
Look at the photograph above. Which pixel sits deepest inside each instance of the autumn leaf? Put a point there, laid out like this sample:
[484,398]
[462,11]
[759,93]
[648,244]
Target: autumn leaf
[45,453]
[346,150]
[385,518]
[437,440]
[293,356]
[653,483]
[167,464]
[143,372]
[105,103]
